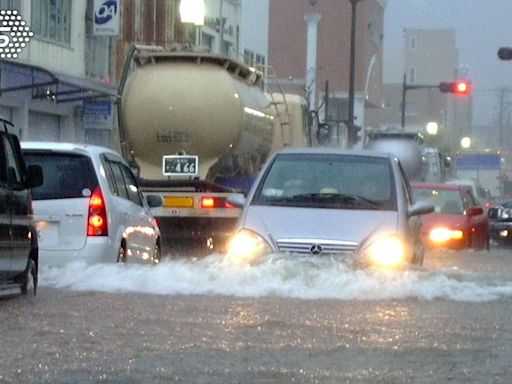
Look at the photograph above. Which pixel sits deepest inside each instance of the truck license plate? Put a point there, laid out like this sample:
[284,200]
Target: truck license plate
[180,165]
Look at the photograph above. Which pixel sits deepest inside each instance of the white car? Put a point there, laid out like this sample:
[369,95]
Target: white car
[89,206]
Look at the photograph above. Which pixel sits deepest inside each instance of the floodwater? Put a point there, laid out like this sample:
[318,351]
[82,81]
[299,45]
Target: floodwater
[281,321]
[280,276]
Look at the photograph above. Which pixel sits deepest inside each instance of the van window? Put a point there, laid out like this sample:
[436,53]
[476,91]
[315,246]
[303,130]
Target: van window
[65,176]
[118,187]
[14,168]
[122,183]
[131,185]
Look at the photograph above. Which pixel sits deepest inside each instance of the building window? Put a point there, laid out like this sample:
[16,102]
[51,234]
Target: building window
[412,75]
[412,108]
[226,48]
[260,60]
[412,43]
[207,40]
[248,57]
[51,20]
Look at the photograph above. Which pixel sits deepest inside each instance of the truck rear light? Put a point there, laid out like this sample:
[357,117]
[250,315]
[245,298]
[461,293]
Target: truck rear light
[97,216]
[215,202]
[208,202]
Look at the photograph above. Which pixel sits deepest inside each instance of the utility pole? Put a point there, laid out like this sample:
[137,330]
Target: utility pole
[351,91]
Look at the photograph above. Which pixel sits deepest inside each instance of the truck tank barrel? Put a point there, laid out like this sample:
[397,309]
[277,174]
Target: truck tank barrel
[199,104]
[408,151]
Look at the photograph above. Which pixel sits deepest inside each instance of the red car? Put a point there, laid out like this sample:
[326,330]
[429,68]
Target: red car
[458,221]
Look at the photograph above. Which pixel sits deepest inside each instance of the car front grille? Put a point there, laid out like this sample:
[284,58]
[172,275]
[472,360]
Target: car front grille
[316,247]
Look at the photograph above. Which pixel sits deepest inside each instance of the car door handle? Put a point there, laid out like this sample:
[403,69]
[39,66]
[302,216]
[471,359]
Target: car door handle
[71,214]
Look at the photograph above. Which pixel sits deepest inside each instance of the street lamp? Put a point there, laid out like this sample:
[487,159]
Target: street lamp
[192,12]
[465,142]
[432,128]
[351,128]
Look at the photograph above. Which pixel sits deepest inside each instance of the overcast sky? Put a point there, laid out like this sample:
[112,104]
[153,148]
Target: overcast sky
[482,26]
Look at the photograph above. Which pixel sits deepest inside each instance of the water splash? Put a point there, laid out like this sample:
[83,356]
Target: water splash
[303,278]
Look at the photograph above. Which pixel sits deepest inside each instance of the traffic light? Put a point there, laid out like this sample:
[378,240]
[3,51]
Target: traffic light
[505,53]
[459,87]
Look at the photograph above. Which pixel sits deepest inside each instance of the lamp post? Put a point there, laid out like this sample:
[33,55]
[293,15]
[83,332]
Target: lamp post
[351,128]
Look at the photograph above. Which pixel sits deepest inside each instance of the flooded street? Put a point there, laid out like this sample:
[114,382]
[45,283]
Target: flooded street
[282,321]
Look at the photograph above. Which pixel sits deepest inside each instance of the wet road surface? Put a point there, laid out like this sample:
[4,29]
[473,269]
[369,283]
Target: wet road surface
[71,335]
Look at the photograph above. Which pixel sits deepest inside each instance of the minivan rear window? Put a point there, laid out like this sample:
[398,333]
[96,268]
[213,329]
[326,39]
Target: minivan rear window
[65,176]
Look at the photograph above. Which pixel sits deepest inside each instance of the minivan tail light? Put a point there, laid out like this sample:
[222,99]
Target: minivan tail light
[97,217]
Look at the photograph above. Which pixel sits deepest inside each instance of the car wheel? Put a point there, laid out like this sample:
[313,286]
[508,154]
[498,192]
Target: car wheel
[121,253]
[29,285]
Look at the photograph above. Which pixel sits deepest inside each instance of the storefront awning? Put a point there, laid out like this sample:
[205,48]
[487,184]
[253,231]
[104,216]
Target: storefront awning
[49,85]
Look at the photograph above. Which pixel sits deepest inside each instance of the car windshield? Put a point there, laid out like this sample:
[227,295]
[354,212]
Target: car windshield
[328,181]
[65,176]
[444,200]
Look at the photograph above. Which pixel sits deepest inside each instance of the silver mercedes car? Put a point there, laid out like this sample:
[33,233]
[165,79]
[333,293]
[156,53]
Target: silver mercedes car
[356,205]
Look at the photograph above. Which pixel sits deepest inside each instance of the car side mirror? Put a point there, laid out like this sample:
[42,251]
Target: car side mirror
[237,200]
[475,211]
[154,201]
[34,176]
[421,208]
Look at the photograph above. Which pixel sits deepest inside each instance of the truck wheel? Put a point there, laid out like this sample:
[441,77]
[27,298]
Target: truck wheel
[157,253]
[29,285]
[419,258]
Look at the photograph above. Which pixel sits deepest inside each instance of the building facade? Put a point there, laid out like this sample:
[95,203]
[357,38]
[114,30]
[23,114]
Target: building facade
[309,49]
[44,88]
[63,85]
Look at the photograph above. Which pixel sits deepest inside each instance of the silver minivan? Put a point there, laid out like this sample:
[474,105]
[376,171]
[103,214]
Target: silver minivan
[90,206]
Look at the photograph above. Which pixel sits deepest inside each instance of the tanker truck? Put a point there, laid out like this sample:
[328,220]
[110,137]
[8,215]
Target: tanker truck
[420,163]
[196,127]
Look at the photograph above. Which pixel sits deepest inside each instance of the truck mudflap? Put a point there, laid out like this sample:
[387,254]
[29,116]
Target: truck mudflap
[195,221]
[182,236]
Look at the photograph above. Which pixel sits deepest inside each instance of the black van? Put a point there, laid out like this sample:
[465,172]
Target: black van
[18,235]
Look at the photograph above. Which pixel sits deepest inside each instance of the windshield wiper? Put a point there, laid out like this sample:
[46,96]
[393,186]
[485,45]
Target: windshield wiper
[338,197]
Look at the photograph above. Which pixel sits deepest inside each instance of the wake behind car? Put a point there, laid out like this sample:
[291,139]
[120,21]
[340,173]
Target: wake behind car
[356,205]
[90,206]
[19,256]
[458,221]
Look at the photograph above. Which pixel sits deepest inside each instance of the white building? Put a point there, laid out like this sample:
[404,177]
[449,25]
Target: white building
[245,32]
[44,88]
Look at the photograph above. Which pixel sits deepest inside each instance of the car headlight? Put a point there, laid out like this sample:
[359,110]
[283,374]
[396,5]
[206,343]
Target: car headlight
[386,251]
[246,246]
[442,234]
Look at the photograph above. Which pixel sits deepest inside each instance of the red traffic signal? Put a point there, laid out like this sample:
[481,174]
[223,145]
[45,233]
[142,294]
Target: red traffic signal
[459,87]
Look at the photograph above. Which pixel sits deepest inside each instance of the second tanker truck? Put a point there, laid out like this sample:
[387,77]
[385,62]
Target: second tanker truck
[197,127]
